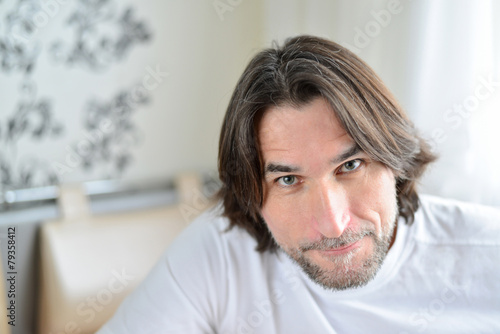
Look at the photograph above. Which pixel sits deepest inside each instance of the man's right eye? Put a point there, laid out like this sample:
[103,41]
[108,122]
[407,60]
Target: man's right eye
[287,180]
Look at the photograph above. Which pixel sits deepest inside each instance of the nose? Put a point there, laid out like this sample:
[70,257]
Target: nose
[331,210]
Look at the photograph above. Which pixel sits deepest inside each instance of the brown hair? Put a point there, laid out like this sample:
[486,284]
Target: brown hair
[304,68]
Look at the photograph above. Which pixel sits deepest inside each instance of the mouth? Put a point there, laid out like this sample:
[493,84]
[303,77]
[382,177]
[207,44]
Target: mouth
[340,250]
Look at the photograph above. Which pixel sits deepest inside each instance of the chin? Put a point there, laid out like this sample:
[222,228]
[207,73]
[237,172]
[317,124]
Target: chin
[352,269]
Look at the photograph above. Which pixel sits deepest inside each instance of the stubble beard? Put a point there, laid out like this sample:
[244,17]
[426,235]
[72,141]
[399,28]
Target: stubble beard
[347,272]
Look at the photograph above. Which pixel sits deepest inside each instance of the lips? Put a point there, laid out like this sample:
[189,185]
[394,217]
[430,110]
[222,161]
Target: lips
[341,250]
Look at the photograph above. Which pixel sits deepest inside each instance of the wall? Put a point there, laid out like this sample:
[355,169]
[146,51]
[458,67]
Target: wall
[123,90]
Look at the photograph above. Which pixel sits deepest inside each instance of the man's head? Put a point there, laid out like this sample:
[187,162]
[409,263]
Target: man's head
[317,157]
[328,205]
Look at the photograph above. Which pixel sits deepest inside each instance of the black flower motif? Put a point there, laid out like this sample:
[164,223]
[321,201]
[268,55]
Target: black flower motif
[102,35]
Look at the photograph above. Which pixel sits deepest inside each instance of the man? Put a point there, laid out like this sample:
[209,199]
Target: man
[320,228]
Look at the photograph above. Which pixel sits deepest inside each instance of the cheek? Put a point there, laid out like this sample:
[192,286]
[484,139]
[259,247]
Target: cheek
[283,220]
[386,197]
[387,190]
[375,199]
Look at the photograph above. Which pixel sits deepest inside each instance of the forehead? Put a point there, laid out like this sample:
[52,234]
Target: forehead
[286,128]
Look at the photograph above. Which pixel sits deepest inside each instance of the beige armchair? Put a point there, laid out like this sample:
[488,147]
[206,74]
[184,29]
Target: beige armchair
[90,263]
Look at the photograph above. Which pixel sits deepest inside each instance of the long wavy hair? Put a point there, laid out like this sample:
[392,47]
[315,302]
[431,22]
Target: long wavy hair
[305,68]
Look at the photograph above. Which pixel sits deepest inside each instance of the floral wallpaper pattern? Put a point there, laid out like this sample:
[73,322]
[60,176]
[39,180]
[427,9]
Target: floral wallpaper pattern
[94,36]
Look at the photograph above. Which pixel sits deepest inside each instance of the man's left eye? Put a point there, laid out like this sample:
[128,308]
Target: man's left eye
[350,166]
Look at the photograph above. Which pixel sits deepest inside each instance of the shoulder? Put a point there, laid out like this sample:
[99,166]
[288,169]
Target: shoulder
[207,227]
[208,250]
[210,232]
[439,220]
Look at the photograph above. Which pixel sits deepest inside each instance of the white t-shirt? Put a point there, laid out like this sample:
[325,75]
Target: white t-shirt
[442,275]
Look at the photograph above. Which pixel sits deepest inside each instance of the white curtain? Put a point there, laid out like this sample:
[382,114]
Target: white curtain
[453,95]
[441,58]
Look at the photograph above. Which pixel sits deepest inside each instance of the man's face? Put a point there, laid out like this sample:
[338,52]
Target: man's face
[327,204]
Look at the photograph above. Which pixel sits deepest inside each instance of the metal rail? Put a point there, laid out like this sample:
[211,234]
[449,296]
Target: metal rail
[94,189]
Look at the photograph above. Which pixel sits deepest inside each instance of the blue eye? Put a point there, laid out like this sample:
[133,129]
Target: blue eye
[350,166]
[288,180]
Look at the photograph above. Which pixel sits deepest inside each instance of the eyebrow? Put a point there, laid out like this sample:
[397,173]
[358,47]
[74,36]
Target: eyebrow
[350,152]
[281,168]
